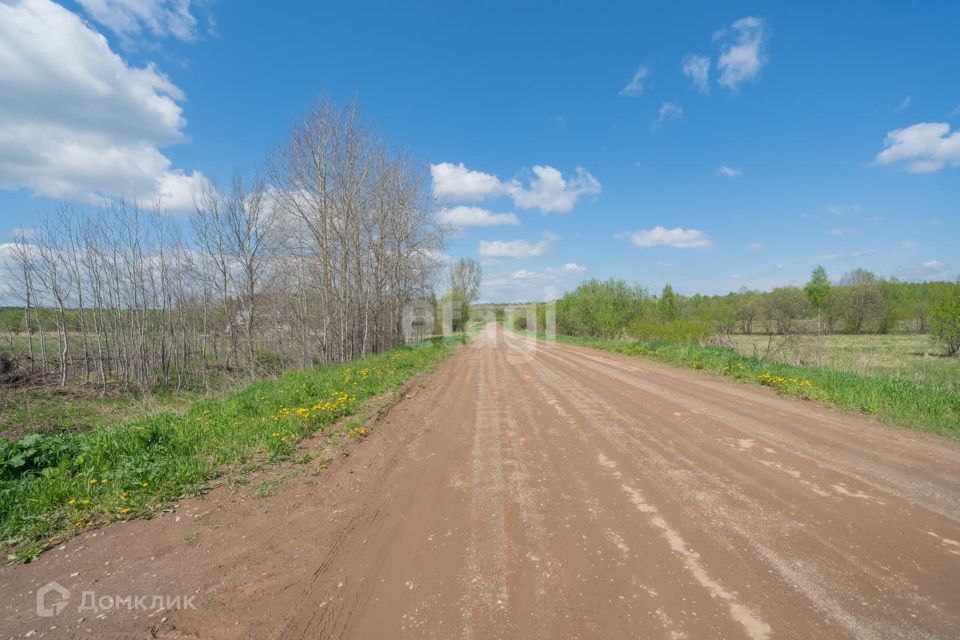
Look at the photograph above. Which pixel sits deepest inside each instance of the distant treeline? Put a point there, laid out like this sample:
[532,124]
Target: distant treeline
[858,302]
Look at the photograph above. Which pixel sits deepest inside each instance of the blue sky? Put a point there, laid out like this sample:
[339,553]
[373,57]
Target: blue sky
[822,133]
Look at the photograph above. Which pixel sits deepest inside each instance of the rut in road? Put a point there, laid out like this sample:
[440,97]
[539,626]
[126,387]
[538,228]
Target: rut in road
[538,490]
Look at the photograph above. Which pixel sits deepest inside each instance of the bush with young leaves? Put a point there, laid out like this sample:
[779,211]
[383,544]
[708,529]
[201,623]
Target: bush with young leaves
[945,323]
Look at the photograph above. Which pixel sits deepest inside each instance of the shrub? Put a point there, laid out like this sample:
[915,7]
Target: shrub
[599,309]
[945,324]
[681,331]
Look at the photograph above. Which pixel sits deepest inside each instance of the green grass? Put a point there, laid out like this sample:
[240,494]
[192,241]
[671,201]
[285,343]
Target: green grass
[54,486]
[907,356]
[926,403]
[52,409]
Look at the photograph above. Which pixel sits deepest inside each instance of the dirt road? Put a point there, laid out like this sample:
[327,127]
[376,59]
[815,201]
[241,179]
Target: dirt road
[531,490]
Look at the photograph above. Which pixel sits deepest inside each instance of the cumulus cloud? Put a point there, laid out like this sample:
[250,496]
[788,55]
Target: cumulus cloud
[76,121]
[921,148]
[742,51]
[697,68]
[754,247]
[572,267]
[456,182]
[515,248]
[677,238]
[635,86]
[668,112]
[129,18]
[463,216]
[729,172]
[548,190]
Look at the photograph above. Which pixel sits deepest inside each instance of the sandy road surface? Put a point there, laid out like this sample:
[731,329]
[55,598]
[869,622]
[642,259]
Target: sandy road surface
[546,491]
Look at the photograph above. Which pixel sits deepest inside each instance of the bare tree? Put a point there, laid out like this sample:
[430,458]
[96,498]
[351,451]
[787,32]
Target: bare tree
[370,229]
[314,265]
[250,221]
[465,278]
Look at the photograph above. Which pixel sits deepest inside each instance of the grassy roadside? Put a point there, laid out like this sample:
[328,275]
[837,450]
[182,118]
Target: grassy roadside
[51,409]
[924,405]
[53,487]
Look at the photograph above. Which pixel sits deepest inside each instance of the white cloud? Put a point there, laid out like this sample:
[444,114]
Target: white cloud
[677,238]
[550,192]
[842,209]
[76,121]
[572,267]
[438,257]
[843,232]
[669,112]
[504,288]
[129,18]
[697,68]
[550,273]
[929,270]
[547,191]
[635,86]
[742,51]
[924,147]
[729,172]
[6,262]
[515,248]
[456,182]
[905,104]
[850,255]
[754,247]
[463,216]
[512,248]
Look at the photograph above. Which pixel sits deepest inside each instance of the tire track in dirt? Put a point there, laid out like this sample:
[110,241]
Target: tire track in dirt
[894,594]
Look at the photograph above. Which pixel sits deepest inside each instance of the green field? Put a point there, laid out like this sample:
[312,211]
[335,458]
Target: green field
[907,356]
[55,485]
